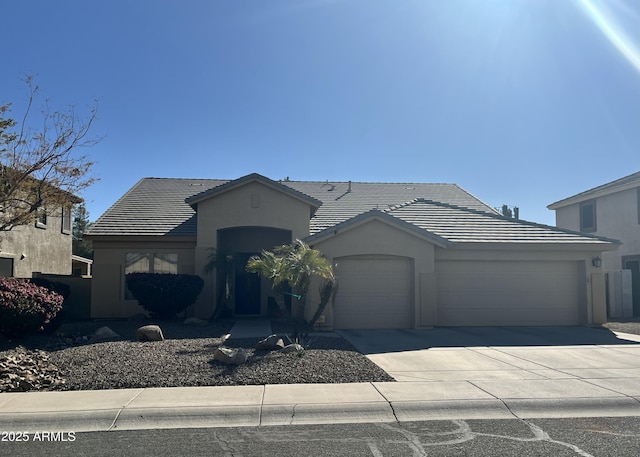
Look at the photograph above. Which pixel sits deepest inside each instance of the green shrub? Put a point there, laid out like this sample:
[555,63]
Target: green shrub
[164,295]
[26,307]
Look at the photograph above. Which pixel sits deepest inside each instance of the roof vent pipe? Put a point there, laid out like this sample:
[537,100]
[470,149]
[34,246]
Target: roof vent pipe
[349,190]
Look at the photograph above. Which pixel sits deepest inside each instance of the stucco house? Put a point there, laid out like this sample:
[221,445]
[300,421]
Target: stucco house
[406,255]
[611,210]
[43,246]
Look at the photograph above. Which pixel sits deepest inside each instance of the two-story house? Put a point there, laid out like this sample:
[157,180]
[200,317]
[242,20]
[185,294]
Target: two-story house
[43,246]
[611,210]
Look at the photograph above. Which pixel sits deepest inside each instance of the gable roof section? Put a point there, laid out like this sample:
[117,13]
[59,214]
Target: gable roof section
[376,214]
[162,206]
[254,177]
[450,225]
[628,182]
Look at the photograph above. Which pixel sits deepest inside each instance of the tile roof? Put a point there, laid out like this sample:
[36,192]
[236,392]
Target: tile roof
[343,200]
[448,225]
[158,206]
[153,206]
[463,225]
[626,182]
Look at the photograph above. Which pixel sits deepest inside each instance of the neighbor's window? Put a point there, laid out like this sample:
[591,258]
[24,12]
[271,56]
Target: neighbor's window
[149,262]
[588,216]
[41,218]
[66,219]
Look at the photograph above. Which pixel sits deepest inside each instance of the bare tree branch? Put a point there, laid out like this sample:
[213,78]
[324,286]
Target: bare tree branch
[41,169]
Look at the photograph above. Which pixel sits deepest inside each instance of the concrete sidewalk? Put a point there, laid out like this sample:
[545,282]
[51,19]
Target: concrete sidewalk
[492,383]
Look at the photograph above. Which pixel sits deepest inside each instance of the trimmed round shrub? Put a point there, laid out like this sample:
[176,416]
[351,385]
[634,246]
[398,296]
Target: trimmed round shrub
[26,307]
[164,295]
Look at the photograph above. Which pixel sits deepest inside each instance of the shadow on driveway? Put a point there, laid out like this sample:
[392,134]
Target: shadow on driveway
[383,341]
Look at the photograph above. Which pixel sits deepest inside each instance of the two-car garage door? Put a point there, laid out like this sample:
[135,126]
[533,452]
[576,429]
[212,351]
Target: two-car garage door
[377,292]
[507,293]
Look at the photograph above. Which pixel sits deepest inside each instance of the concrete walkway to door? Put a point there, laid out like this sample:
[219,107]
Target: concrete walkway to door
[251,327]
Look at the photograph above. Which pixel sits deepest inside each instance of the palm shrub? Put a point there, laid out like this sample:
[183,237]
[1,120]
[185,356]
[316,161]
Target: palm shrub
[164,295]
[296,265]
[26,307]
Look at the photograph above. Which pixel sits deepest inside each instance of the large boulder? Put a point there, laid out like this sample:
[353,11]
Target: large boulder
[150,333]
[230,356]
[270,343]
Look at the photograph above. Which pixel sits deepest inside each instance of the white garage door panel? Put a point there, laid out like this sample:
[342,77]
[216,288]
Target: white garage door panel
[507,293]
[373,292]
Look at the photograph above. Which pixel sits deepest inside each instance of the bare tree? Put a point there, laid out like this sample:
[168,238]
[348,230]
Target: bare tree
[40,168]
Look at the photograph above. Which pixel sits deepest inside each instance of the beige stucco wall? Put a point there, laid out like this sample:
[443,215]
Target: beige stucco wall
[616,217]
[107,291]
[44,249]
[253,204]
[376,237]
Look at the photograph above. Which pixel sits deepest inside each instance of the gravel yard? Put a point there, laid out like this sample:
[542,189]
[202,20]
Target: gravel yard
[66,361]
[185,358]
[631,325]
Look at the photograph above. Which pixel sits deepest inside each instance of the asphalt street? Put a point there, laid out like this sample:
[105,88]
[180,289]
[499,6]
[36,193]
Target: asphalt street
[584,437]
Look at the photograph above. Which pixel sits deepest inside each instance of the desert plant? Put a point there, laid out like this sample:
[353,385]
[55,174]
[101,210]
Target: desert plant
[26,307]
[295,265]
[164,295]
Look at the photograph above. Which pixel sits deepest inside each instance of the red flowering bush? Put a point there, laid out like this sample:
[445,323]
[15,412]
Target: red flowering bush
[26,307]
[164,295]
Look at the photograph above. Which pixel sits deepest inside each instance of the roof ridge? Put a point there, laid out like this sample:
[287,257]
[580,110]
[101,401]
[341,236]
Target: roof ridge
[365,182]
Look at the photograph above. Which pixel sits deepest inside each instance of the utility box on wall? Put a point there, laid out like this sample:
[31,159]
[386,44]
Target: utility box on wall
[619,296]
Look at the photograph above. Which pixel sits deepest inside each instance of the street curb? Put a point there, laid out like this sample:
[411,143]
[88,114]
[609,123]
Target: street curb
[298,414]
[62,421]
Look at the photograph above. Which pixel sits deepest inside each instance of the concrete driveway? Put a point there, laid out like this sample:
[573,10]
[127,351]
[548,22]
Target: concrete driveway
[512,357]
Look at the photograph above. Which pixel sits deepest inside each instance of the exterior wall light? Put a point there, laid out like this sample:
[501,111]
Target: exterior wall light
[596,262]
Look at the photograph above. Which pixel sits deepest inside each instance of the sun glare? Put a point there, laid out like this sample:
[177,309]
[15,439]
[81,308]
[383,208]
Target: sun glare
[614,33]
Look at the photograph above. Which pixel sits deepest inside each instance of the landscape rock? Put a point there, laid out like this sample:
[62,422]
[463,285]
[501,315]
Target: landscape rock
[270,343]
[295,347]
[150,333]
[194,321]
[24,370]
[230,356]
[104,334]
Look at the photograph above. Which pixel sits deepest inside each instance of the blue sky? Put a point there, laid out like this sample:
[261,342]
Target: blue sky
[520,102]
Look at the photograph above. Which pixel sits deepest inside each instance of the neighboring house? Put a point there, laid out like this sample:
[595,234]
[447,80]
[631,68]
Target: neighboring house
[44,246]
[611,210]
[406,255]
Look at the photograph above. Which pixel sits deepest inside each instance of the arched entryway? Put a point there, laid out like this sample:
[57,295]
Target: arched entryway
[246,291]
